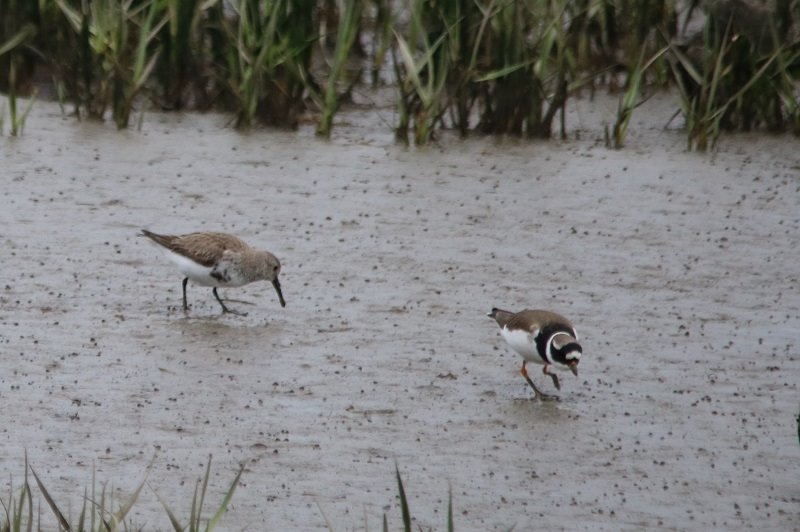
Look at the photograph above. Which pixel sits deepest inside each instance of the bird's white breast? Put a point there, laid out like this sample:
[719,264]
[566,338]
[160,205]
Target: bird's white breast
[196,272]
[522,342]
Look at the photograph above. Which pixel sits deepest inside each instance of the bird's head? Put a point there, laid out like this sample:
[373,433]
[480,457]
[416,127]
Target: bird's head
[268,270]
[566,350]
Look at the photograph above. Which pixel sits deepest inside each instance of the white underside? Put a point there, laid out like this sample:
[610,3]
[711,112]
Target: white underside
[522,342]
[197,273]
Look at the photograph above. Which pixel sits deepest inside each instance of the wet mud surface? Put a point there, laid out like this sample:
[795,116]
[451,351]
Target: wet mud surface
[679,270]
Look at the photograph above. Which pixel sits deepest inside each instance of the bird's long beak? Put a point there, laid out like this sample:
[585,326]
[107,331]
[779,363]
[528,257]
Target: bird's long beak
[277,284]
[573,367]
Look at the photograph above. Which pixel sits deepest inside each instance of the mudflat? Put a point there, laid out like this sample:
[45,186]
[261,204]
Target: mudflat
[679,270]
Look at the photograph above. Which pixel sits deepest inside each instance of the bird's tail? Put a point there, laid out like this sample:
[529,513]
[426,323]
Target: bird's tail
[162,240]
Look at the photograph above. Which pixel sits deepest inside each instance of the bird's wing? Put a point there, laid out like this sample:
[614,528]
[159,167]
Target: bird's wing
[206,248]
[528,320]
[203,248]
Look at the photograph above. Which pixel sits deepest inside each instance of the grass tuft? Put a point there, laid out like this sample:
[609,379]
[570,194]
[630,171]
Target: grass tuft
[347,33]
[196,511]
[99,515]
[502,67]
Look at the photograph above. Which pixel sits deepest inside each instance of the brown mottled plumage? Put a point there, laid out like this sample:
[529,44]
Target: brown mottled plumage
[218,259]
[203,248]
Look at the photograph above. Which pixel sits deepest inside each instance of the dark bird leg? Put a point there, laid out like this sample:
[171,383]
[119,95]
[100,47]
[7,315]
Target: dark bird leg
[224,308]
[185,306]
[546,371]
[541,395]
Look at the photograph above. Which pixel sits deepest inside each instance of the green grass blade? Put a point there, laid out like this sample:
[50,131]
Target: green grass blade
[62,521]
[12,96]
[73,16]
[503,72]
[17,509]
[197,504]
[720,69]
[82,516]
[686,63]
[203,493]
[6,525]
[27,31]
[228,496]
[450,522]
[176,525]
[628,102]
[27,492]
[194,513]
[487,12]
[403,501]
[408,61]
[753,79]
[347,33]
[119,515]
[20,121]
[101,509]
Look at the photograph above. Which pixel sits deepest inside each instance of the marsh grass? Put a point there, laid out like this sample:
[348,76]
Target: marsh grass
[405,510]
[383,26]
[268,58]
[183,72]
[10,59]
[632,96]
[15,511]
[347,34]
[422,76]
[16,119]
[738,82]
[196,512]
[503,67]
[116,54]
[100,512]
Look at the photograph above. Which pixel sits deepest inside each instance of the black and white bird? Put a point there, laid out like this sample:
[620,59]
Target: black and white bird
[543,337]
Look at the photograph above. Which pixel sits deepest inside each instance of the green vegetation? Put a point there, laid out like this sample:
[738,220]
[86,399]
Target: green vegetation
[406,512]
[489,66]
[196,511]
[743,76]
[348,30]
[98,513]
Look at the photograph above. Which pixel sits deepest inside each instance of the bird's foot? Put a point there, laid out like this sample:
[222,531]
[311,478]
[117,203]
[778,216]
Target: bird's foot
[226,310]
[538,394]
[547,397]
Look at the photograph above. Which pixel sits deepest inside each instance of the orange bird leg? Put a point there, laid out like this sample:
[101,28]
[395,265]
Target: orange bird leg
[541,395]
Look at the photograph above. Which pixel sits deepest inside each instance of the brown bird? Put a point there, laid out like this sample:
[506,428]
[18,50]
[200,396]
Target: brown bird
[543,337]
[218,259]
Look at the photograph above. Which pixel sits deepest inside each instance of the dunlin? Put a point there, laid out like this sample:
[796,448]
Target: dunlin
[543,337]
[218,259]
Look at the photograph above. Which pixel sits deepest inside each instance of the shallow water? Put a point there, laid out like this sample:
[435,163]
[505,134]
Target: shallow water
[680,271]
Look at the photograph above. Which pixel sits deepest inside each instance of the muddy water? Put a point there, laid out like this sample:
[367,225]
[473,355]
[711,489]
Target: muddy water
[680,271]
